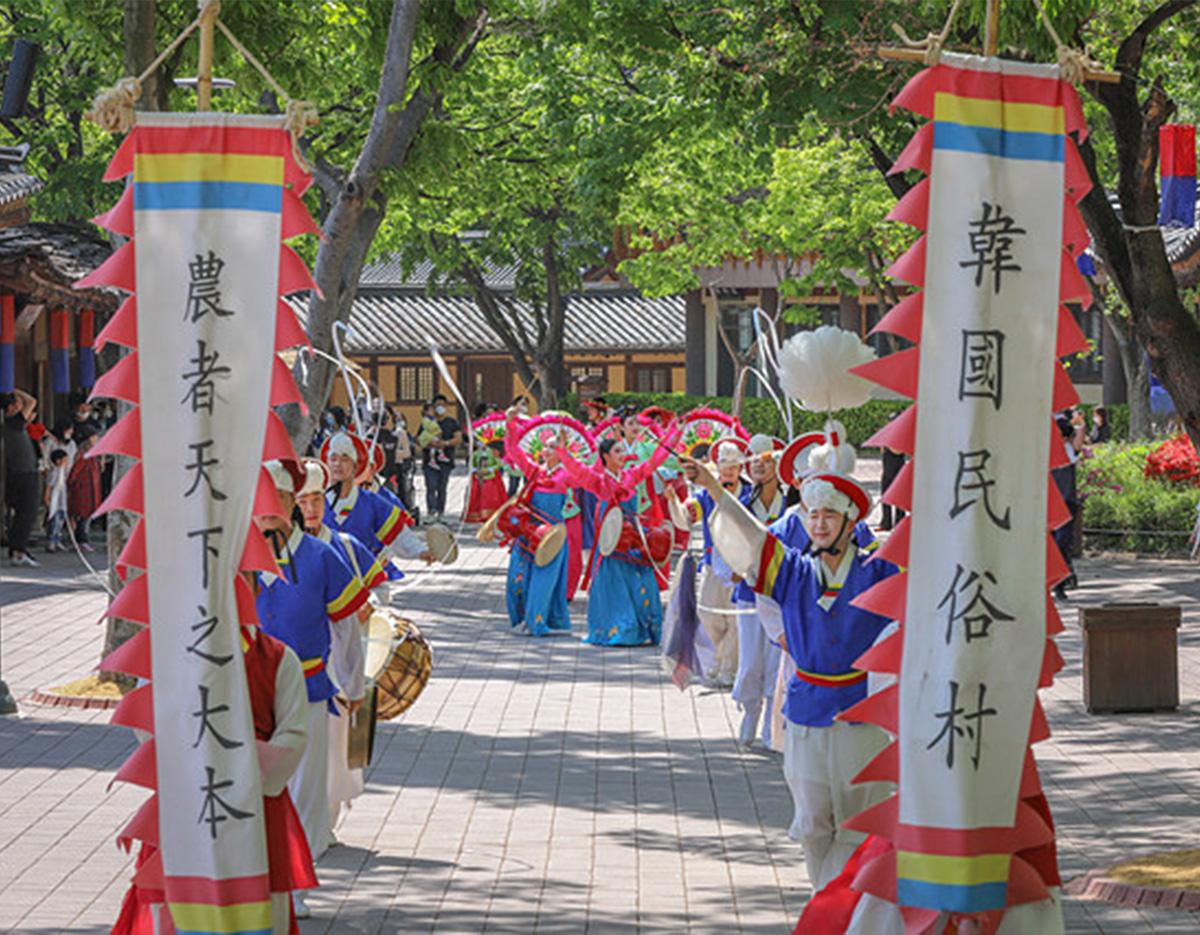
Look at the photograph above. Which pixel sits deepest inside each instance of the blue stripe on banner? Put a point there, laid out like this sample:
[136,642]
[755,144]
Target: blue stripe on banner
[8,368]
[951,898]
[1008,144]
[1178,204]
[60,370]
[199,196]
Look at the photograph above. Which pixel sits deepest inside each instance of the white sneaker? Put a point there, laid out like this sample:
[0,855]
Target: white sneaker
[25,559]
[299,906]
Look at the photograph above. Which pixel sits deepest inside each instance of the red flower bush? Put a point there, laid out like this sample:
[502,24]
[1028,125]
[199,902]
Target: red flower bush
[1175,461]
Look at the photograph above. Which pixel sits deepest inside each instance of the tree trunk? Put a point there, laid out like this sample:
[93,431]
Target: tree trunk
[1137,376]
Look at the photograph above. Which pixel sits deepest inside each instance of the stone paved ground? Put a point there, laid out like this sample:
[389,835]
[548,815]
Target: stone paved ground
[547,786]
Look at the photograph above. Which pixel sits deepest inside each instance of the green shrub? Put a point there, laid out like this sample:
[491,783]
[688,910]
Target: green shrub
[1124,509]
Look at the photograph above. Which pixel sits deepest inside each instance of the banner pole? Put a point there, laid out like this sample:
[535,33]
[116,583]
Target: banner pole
[991,41]
[209,10]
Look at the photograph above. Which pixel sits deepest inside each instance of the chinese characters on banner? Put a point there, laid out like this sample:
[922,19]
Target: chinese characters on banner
[209,200]
[996,263]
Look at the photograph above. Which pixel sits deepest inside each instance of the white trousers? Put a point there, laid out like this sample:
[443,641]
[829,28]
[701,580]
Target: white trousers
[818,763]
[345,784]
[721,628]
[309,785]
[758,660]
[873,915]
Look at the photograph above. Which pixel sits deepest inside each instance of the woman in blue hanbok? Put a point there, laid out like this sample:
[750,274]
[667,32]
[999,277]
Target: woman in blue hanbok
[624,606]
[537,595]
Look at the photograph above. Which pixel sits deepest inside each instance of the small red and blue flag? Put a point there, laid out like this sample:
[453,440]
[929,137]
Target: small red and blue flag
[1177,161]
[60,366]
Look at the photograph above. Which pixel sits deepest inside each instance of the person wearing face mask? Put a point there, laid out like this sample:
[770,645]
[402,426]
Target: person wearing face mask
[823,634]
[757,655]
[314,592]
[438,463]
[624,604]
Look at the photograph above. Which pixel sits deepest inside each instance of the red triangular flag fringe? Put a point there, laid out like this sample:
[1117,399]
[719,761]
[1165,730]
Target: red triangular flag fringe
[886,597]
[910,267]
[900,434]
[257,555]
[140,769]
[117,271]
[126,495]
[120,381]
[124,438]
[1071,339]
[917,153]
[132,601]
[277,444]
[133,555]
[288,332]
[913,208]
[904,318]
[895,549]
[881,709]
[897,372]
[294,275]
[130,658]
[136,710]
[121,328]
[1065,394]
[118,218]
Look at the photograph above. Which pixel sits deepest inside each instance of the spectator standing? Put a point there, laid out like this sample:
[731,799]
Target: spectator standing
[1071,428]
[62,436]
[1101,431]
[83,491]
[893,462]
[56,499]
[438,457]
[20,473]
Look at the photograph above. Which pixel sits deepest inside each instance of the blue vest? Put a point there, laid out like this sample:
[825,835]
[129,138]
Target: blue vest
[373,520]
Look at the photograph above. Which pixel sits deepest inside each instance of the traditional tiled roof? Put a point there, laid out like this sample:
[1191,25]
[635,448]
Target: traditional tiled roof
[17,186]
[599,319]
[43,261]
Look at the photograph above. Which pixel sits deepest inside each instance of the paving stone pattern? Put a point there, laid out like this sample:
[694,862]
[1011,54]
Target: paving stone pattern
[549,786]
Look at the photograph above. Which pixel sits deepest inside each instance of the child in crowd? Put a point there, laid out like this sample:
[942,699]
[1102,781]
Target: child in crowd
[429,433]
[56,500]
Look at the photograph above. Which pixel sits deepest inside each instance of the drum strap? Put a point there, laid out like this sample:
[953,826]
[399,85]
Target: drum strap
[344,538]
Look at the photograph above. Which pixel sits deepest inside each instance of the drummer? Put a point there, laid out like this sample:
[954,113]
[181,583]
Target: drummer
[363,513]
[716,608]
[624,605]
[345,784]
[537,595]
[314,593]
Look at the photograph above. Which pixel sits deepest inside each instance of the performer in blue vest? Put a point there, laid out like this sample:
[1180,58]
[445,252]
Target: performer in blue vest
[368,516]
[624,604]
[715,608]
[314,591]
[823,635]
[537,595]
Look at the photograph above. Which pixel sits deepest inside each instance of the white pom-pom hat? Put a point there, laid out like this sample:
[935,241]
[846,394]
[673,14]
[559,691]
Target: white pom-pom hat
[814,369]
[317,477]
[836,492]
[288,476]
[728,450]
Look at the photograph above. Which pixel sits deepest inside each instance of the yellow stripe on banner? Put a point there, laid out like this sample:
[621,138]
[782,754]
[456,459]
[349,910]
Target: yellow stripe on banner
[1000,115]
[952,870]
[352,590]
[240,917]
[207,167]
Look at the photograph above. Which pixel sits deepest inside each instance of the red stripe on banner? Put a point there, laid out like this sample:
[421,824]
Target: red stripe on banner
[211,892]
[917,153]
[122,327]
[118,218]
[60,329]
[1052,664]
[904,318]
[913,208]
[124,438]
[139,769]
[134,553]
[247,609]
[294,275]
[8,319]
[127,495]
[900,434]
[885,767]
[211,138]
[1071,339]
[277,444]
[1013,89]
[136,710]
[910,267]
[257,555]
[1065,394]
[288,331]
[887,597]
[132,602]
[895,549]
[130,658]
[117,271]
[296,220]
[898,372]
[884,656]
[881,709]
[1072,287]
[143,826]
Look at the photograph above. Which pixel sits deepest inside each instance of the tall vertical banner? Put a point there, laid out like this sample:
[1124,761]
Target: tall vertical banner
[60,350]
[208,199]
[970,829]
